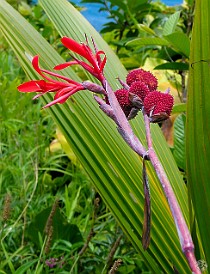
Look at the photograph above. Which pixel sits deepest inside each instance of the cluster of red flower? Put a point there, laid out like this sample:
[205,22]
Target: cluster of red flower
[141,93]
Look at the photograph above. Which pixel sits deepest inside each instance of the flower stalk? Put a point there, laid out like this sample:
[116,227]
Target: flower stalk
[181,226]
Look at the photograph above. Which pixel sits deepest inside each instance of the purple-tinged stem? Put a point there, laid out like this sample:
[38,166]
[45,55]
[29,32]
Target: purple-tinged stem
[123,84]
[123,125]
[107,109]
[181,226]
[93,87]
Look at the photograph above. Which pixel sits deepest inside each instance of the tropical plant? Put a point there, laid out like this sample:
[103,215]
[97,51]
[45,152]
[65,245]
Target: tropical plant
[111,165]
[170,42]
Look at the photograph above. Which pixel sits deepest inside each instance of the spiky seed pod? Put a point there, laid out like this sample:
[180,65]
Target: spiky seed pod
[7,207]
[158,106]
[124,101]
[140,89]
[49,222]
[115,266]
[49,240]
[144,76]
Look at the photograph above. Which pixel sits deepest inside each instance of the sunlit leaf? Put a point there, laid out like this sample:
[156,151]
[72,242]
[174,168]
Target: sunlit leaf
[148,41]
[171,23]
[180,41]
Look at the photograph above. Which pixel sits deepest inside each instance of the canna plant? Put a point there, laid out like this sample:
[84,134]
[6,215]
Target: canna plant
[121,106]
[110,162]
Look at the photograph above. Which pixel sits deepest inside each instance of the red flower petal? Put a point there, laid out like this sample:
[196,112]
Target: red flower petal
[60,100]
[76,47]
[35,64]
[63,95]
[31,86]
[65,65]
[103,61]
[62,92]
[39,95]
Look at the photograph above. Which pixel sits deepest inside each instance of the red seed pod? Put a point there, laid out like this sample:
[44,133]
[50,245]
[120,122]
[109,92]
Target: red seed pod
[122,96]
[158,106]
[124,101]
[144,76]
[140,89]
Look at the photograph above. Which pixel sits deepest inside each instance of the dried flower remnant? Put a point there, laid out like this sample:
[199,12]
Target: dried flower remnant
[115,266]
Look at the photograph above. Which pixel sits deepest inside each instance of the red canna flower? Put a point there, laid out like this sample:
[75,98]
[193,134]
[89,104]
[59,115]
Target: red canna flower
[63,89]
[144,76]
[95,64]
[158,106]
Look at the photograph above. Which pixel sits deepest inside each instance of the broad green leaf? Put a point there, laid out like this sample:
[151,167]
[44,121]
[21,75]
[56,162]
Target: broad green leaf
[173,66]
[198,122]
[178,108]
[179,141]
[171,23]
[115,170]
[148,41]
[180,41]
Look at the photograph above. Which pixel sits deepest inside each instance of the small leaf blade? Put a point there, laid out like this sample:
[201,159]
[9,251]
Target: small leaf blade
[179,141]
[148,41]
[171,23]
